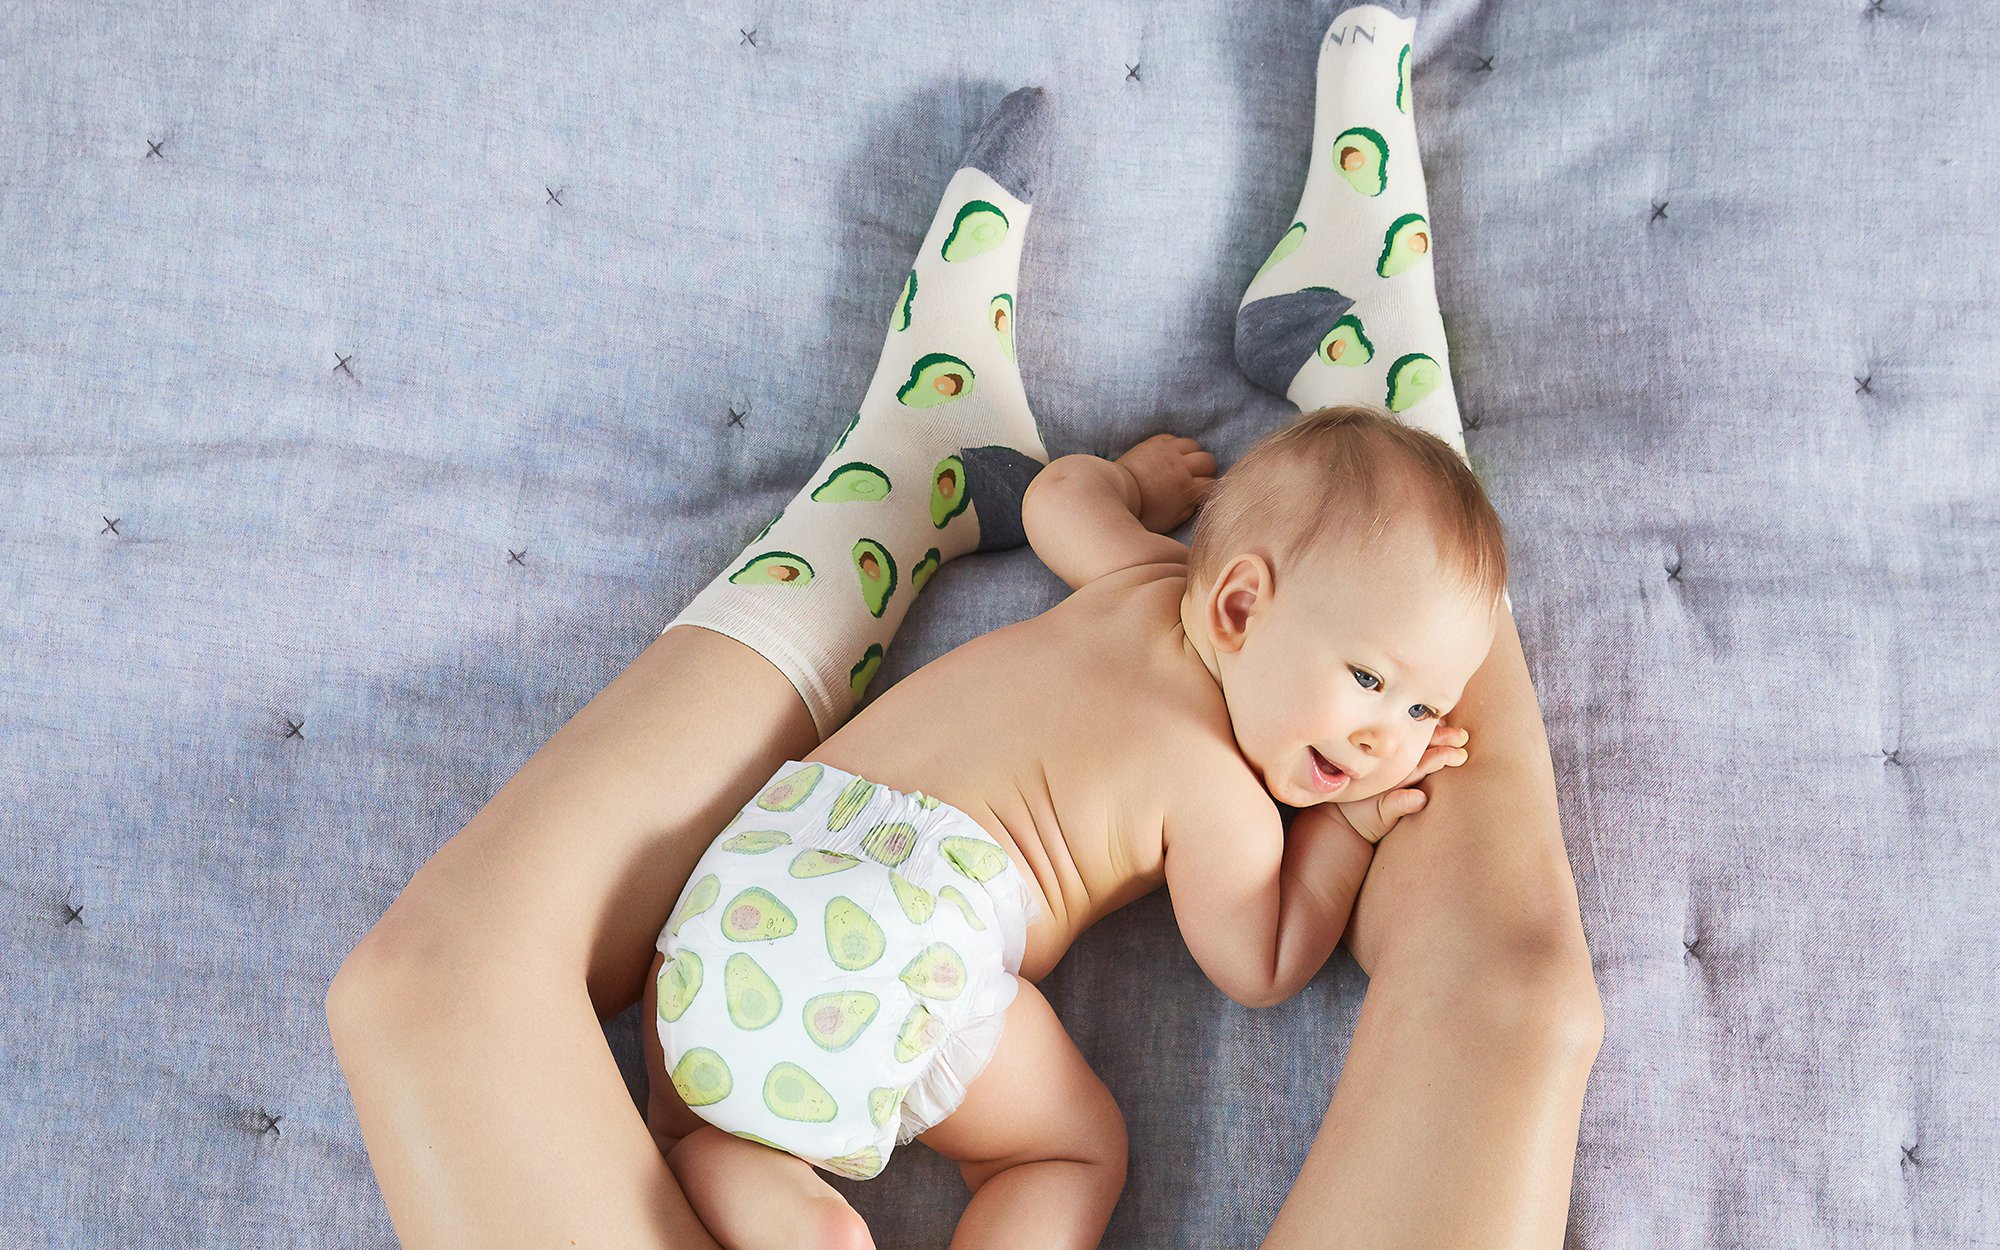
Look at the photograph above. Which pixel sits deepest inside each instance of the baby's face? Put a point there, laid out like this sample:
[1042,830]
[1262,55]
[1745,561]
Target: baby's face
[1343,675]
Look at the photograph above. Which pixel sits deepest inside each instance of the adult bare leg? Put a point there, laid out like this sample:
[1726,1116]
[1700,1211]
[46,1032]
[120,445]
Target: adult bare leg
[1454,1121]
[468,1020]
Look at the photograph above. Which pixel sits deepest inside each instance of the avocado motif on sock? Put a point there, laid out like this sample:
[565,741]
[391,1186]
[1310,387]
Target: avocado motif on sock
[914,899]
[1001,310]
[756,915]
[701,1077]
[848,804]
[1346,343]
[834,1020]
[956,897]
[877,570]
[853,482]
[786,793]
[1411,379]
[1295,234]
[750,992]
[817,863]
[677,985]
[853,939]
[1362,157]
[937,378]
[777,568]
[699,900]
[1403,80]
[1407,241]
[948,494]
[861,674]
[905,303]
[925,567]
[792,1093]
[841,442]
[979,228]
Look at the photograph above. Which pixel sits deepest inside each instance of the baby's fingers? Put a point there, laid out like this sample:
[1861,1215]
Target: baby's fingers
[1199,463]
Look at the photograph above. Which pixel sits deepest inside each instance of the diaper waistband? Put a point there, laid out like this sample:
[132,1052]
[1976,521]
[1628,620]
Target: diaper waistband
[830,809]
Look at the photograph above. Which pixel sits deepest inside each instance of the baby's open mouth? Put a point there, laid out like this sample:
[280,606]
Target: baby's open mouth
[1327,776]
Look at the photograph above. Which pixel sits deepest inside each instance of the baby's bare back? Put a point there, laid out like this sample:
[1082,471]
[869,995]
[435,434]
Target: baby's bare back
[1067,736]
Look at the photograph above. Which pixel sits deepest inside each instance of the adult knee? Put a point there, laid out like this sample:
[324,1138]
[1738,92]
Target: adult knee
[834,1225]
[1542,984]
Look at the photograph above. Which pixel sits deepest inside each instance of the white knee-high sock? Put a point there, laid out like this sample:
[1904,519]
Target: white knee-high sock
[932,466]
[1345,310]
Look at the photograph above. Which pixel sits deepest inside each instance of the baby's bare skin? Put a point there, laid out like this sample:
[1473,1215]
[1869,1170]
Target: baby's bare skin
[1068,737]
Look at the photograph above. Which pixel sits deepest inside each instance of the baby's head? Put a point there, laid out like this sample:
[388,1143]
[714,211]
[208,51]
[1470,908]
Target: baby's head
[1343,588]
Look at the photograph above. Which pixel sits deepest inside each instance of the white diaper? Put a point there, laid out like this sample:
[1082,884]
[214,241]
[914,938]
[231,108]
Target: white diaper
[839,967]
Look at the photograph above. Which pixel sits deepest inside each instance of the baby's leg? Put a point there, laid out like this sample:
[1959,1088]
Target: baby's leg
[747,1195]
[1039,1139]
[751,1197]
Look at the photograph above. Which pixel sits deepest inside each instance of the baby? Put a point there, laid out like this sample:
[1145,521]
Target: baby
[835,978]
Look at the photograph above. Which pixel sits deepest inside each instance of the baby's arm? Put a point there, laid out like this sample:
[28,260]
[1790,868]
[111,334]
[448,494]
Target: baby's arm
[1261,909]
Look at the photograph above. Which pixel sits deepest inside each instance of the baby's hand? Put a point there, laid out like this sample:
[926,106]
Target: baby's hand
[1172,475]
[1372,818]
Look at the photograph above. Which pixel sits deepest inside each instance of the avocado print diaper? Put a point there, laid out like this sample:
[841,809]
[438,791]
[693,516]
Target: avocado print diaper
[839,967]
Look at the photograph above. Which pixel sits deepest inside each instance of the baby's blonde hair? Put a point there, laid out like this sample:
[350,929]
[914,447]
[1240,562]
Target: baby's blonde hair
[1335,470]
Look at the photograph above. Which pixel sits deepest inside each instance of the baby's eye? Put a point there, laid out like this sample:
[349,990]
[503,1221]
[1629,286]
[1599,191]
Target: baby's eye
[1415,708]
[1359,673]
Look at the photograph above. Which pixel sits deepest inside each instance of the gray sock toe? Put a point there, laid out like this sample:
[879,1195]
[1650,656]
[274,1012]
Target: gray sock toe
[1012,147]
[1276,336]
[996,479]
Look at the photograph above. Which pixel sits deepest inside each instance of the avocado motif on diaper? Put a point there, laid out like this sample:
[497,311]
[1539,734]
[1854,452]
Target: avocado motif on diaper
[756,915]
[701,1077]
[890,843]
[953,895]
[817,863]
[752,995]
[853,797]
[937,971]
[791,1092]
[974,857]
[853,939]
[679,981]
[834,1020]
[914,899]
[699,900]
[787,793]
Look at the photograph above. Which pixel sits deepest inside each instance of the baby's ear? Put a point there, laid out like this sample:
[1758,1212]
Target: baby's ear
[1239,592]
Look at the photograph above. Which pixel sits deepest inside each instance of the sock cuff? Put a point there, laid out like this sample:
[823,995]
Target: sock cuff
[757,627]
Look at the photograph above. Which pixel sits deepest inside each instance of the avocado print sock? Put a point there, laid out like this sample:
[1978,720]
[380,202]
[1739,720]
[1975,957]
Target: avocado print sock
[932,466]
[1345,310]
